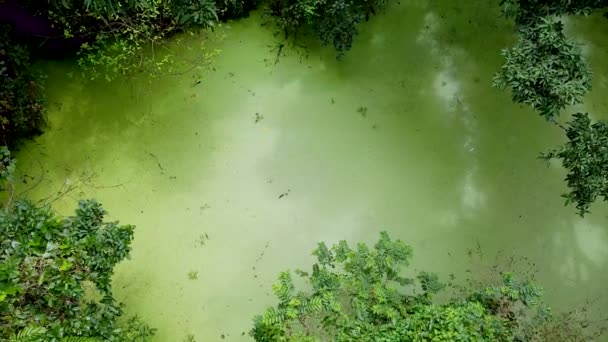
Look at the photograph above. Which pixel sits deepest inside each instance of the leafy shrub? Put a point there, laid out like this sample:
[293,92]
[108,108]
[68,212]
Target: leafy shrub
[358,294]
[55,274]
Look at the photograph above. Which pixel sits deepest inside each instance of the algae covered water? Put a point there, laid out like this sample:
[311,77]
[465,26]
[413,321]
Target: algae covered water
[236,178]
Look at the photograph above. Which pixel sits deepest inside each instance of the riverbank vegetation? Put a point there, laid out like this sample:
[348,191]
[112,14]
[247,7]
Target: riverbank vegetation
[360,294]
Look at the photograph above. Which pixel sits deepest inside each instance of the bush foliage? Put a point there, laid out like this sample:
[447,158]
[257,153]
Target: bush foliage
[55,274]
[360,294]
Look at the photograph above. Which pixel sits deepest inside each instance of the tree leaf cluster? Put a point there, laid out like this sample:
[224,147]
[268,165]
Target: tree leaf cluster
[360,294]
[546,70]
[332,22]
[585,157]
[55,273]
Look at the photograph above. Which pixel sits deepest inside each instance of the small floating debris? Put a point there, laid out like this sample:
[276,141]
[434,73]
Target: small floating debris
[362,111]
[202,239]
[284,194]
[157,161]
[193,275]
[258,118]
[259,258]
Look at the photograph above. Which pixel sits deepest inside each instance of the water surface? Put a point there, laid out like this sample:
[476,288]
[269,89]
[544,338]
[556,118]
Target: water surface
[405,134]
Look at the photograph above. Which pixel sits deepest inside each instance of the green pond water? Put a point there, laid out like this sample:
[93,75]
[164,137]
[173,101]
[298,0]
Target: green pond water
[405,134]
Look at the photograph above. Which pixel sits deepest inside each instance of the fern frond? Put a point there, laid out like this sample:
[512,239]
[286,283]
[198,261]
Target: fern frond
[273,316]
[284,288]
[323,254]
[80,339]
[29,334]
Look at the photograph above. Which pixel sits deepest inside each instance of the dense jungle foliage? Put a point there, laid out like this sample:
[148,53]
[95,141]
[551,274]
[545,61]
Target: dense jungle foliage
[360,294]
